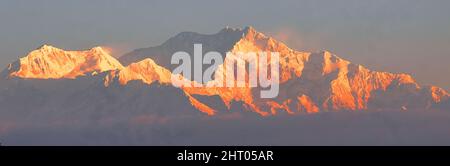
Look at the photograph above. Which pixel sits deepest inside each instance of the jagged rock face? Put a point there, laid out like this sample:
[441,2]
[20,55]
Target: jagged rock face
[309,82]
[49,62]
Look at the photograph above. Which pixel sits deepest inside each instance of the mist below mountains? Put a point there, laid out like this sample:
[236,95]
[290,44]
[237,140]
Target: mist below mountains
[58,97]
[344,128]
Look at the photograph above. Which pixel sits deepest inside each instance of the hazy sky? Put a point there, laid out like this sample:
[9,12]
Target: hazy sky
[409,36]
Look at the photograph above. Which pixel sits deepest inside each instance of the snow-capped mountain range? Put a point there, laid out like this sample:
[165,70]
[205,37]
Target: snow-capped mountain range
[310,82]
[56,97]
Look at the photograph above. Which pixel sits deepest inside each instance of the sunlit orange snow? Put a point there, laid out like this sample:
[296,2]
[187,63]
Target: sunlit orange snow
[309,83]
[50,62]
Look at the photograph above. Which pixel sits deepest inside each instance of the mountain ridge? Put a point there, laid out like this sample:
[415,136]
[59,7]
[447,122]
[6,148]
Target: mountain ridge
[48,62]
[350,86]
[310,82]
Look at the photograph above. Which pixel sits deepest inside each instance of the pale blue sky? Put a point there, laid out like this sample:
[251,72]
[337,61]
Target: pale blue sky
[410,36]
